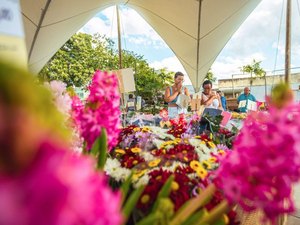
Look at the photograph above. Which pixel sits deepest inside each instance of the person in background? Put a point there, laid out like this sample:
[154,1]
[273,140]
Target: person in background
[171,95]
[209,98]
[223,100]
[245,97]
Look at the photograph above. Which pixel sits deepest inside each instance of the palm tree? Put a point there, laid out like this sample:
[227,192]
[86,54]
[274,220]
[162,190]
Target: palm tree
[254,68]
[210,76]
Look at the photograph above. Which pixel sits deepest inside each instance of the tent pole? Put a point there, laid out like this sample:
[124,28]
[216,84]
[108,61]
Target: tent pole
[119,38]
[120,63]
[288,43]
[198,46]
[44,11]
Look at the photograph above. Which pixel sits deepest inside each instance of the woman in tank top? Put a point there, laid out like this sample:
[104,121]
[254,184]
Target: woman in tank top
[171,95]
[209,98]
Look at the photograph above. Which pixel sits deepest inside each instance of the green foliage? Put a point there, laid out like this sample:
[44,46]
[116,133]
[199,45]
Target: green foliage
[210,76]
[254,68]
[76,61]
[131,201]
[214,122]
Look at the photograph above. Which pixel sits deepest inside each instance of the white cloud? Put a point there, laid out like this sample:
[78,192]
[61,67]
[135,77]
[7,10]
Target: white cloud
[227,66]
[257,39]
[171,64]
[97,25]
[133,27]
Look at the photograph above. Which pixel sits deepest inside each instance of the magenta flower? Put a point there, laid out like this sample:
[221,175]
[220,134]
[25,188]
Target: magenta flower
[101,110]
[264,163]
[58,188]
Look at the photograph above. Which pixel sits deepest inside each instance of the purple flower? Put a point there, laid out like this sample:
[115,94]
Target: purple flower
[58,188]
[265,161]
[101,110]
[222,147]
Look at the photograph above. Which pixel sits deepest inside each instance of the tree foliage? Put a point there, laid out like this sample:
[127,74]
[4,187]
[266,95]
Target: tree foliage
[254,68]
[210,76]
[75,62]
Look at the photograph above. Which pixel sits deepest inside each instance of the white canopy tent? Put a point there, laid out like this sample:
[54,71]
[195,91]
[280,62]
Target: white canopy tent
[196,30]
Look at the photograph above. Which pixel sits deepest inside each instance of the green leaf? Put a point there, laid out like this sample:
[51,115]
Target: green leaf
[102,152]
[192,205]
[95,148]
[164,192]
[149,220]
[194,218]
[125,187]
[131,202]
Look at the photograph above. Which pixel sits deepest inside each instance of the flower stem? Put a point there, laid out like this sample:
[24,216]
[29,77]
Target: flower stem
[215,214]
[193,205]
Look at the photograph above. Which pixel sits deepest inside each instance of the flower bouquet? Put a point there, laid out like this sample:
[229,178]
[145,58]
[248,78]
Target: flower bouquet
[157,176]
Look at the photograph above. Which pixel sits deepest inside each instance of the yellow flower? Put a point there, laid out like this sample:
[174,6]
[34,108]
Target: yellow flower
[210,136]
[154,163]
[121,151]
[145,129]
[198,137]
[177,140]
[174,186]
[145,199]
[158,177]
[137,174]
[221,152]
[212,159]
[136,129]
[206,164]
[195,165]
[201,172]
[211,144]
[136,150]
[168,163]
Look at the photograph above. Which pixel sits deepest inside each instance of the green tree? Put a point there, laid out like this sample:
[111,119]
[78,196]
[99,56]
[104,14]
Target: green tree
[75,62]
[210,76]
[254,68]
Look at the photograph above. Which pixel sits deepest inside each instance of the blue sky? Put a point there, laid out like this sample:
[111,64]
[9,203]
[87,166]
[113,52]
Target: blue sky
[257,38]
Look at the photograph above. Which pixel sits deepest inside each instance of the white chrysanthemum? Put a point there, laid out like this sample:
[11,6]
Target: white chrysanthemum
[121,174]
[144,180]
[158,142]
[195,142]
[111,165]
[113,168]
[193,176]
[162,133]
[147,156]
[174,165]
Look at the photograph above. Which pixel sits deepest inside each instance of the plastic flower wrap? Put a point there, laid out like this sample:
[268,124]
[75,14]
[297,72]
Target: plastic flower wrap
[265,162]
[101,110]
